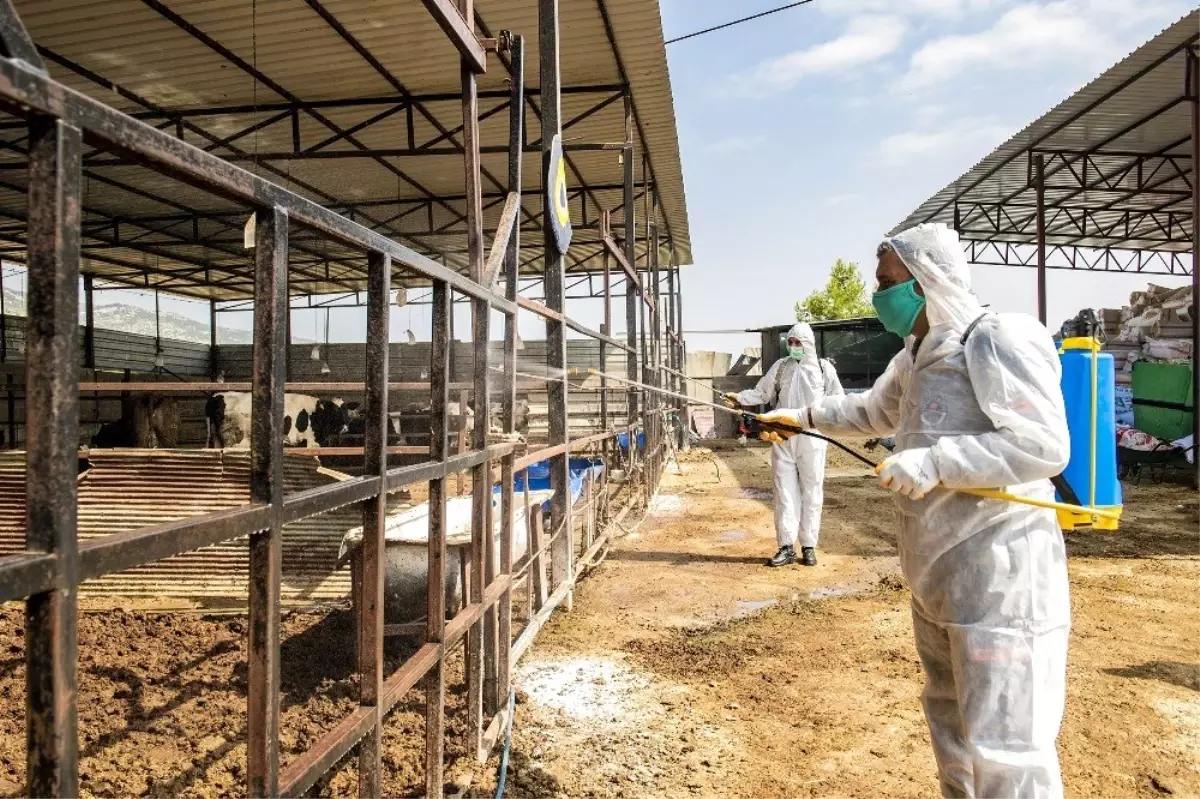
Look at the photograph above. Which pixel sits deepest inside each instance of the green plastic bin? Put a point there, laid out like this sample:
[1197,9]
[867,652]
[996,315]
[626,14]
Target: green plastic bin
[1156,388]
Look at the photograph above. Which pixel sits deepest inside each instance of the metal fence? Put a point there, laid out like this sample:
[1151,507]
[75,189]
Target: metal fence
[55,561]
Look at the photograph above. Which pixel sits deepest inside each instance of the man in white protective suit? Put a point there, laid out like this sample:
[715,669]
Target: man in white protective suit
[974,402]
[795,381]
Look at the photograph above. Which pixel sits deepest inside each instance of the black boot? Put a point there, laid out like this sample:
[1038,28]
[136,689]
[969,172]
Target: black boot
[808,556]
[783,557]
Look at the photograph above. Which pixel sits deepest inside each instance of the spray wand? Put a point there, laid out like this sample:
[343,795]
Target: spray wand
[754,420]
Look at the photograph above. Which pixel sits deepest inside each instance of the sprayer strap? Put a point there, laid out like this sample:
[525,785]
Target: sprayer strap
[971,328]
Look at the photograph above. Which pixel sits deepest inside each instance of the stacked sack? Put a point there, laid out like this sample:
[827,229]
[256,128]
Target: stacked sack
[1156,326]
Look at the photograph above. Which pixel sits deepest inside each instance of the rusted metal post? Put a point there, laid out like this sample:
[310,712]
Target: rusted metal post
[266,486]
[439,398]
[673,348]
[481,476]
[1193,69]
[373,556]
[512,258]
[51,459]
[89,324]
[214,366]
[631,298]
[1039,179]
[607,330]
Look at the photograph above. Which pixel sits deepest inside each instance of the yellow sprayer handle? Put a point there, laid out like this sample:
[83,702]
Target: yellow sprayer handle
[992,493]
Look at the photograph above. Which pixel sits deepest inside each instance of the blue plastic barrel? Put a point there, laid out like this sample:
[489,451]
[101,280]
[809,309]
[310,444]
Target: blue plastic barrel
[1076,357]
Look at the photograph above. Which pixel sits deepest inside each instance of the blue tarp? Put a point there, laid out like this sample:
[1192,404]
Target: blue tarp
[539,476]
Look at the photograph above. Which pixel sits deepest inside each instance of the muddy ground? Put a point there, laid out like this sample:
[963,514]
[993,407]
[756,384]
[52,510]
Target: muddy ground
[686,667]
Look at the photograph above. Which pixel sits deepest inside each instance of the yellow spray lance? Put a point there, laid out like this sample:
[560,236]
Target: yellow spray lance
[778,427]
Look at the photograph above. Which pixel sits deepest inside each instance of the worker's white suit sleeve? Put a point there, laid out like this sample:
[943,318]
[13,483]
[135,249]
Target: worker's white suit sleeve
[874,412]
[1015,373]
[764,392]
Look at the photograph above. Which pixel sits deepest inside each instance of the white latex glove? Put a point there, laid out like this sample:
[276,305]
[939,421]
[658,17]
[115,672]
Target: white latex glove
[912,473]
[796,417]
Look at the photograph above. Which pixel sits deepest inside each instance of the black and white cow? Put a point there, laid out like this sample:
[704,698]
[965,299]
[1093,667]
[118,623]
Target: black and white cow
[147,421]
[307,422]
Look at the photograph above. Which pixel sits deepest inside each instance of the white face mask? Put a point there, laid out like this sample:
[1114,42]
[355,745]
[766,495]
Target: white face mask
[796,353]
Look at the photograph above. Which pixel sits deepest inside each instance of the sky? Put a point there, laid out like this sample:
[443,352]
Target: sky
[808,134]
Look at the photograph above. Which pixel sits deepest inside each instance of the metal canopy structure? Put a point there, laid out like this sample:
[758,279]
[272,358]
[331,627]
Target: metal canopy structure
[356,106]
[1104,180]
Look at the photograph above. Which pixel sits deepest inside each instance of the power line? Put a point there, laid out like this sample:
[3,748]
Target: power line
[737,22]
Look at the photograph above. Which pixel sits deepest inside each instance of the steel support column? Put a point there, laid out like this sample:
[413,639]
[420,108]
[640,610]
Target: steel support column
[372,556]
[51,459]
[266,486]
[1194,71]
[516,139]
[1040,188]
[631,298]
[439,398]
[562,551]
[89,323]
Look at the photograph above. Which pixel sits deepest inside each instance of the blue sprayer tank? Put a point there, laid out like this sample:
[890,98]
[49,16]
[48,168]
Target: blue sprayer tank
[1077,356]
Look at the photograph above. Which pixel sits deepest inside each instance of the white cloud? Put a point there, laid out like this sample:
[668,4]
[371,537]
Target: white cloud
[1037,35]
[735,144]
[866,39]
[969,136]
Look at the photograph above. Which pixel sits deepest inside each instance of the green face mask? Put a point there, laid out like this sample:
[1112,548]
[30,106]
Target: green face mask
[899,307]
[796,353]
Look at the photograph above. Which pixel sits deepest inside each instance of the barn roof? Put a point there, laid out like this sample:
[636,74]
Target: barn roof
[355,104]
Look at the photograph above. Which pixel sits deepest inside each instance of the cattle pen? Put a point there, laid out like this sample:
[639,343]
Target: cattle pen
[289,156]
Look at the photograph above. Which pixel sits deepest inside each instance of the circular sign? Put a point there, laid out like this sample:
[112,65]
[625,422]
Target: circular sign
[559,209]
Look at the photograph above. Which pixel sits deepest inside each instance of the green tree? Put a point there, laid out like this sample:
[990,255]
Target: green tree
[844,296]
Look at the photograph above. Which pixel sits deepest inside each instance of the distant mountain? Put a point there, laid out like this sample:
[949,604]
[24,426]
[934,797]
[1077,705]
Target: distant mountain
[140,321]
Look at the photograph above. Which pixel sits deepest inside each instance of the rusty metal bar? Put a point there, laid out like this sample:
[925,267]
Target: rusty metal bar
[369,602]
[1193,70]
[302,773]
[508,394]
[507,228]
[52,437]
[606,328]
[23,574]
[1040,189]
[553,266]
[89,323]
[481,476]
[628,261]
[266,486]
[459,29]
[120,551]
[292,387]
[435,686]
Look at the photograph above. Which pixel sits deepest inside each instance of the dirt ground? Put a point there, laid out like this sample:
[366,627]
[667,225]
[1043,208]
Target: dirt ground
[686,667]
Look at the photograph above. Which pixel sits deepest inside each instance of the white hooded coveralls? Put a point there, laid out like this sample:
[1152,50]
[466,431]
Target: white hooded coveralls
[990,603]
[799,462]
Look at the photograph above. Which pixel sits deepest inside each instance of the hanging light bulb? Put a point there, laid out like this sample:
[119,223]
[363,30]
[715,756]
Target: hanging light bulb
[315,355]
[325,368]
[412,337]
[158,356]
[401,297]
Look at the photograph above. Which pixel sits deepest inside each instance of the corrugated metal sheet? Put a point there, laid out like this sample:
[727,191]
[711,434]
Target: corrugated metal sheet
[292,45]
[1146,80]
[129,489]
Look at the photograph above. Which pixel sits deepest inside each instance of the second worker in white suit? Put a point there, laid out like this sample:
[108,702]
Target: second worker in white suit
[796,381]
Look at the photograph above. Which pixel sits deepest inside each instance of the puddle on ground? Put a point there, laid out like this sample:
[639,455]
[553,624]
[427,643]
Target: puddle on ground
[733,535]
